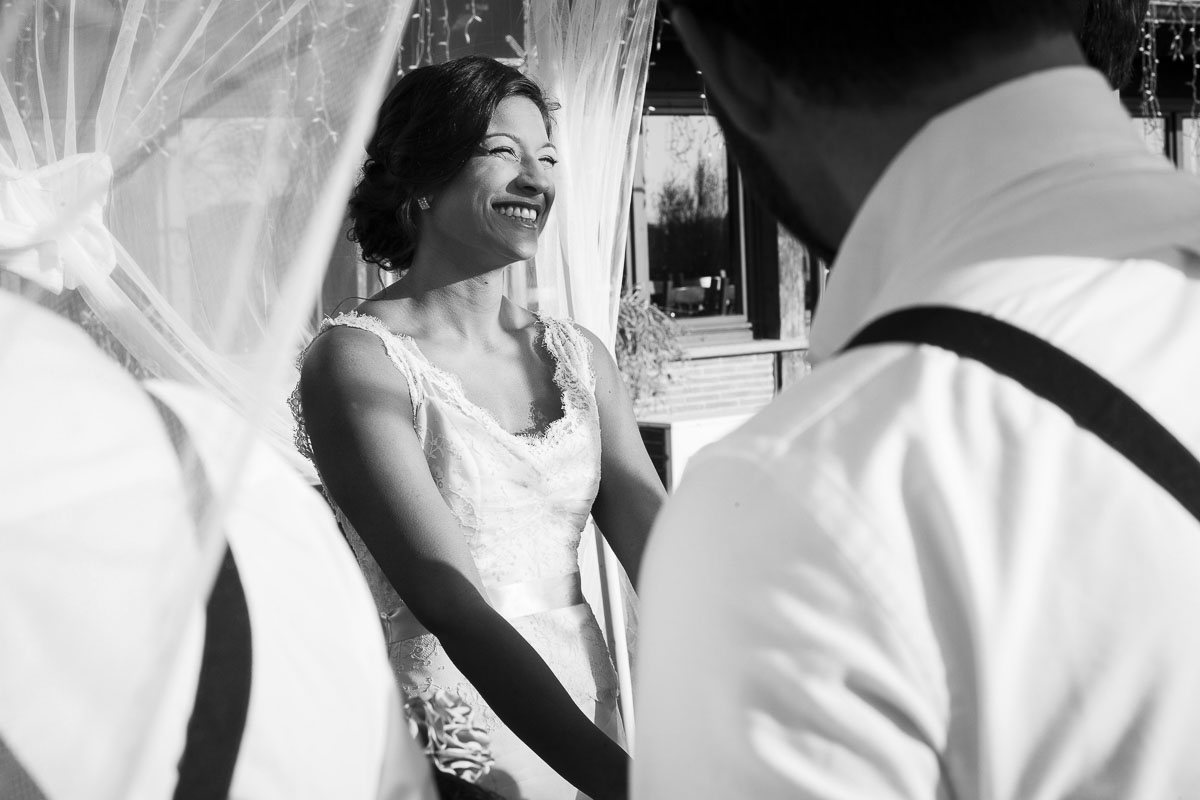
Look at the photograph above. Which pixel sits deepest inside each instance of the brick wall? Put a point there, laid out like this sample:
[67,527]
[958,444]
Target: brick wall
[727,383]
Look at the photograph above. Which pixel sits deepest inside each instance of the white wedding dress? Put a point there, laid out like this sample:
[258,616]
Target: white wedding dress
[522,502]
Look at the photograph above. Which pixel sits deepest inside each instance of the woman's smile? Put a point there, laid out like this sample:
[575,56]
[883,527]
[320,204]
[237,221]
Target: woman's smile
[521,213]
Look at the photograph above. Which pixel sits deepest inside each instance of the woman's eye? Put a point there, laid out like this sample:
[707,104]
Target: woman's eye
[549,162]
[503,151]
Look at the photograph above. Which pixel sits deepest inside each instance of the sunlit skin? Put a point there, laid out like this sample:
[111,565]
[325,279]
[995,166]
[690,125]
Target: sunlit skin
[491,214]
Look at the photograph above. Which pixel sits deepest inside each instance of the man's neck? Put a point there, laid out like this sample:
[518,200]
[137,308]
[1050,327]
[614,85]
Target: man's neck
[862,141]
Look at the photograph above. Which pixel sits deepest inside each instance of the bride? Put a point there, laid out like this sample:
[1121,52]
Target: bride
[465,440]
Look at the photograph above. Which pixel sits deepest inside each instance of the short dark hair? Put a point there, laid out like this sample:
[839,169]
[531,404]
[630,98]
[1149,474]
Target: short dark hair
[875,51]
[429,125]
[1110,35]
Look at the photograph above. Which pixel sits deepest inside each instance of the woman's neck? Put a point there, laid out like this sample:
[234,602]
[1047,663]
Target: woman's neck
[471,309]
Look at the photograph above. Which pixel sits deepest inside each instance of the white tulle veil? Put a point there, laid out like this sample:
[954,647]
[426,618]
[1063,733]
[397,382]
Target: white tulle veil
[173,175]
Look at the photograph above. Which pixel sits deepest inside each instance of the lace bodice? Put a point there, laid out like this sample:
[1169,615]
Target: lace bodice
[521,500]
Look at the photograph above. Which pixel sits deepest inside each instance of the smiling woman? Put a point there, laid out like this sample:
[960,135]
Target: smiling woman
[432,124]
[464,440]
[507,186]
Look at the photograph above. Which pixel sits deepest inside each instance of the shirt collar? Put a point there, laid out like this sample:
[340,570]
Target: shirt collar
[970,186]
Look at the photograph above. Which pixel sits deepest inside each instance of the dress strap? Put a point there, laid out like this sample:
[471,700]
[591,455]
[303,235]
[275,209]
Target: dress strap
[402,358]
[571,349]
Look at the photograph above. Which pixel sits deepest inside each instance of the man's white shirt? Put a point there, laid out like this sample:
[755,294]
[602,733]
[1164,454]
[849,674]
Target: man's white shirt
[908,577]
[101,617]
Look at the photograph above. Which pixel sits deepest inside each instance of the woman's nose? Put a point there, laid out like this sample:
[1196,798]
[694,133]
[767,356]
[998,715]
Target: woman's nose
[535,177]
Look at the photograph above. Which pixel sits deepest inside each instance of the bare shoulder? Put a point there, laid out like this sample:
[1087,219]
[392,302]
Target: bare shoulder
[348,365]
[341,351]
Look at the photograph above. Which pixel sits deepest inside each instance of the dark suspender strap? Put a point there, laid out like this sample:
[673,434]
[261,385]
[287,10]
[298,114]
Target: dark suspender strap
[1089,398]
[214,731]
[15,781]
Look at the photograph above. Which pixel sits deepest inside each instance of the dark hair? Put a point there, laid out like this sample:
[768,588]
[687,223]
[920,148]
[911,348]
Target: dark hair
[1110,36]
[882,50]
[429,125]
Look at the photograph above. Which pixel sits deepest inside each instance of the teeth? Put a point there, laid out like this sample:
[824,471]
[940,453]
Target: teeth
[518,211]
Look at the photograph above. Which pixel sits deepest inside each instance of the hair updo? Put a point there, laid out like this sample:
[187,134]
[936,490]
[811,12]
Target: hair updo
[429,125]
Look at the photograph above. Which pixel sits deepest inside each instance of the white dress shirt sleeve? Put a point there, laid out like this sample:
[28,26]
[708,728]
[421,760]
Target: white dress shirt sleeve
[774,660]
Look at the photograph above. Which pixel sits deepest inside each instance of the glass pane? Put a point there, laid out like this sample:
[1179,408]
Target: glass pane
[1153,132]
[692,268]
[797,289]
[1189,147]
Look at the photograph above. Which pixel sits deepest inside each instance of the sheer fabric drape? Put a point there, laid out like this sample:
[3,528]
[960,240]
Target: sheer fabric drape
[183,166]
[593,56]
[172,177]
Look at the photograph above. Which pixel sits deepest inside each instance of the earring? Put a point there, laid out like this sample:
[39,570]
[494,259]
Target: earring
[423,203]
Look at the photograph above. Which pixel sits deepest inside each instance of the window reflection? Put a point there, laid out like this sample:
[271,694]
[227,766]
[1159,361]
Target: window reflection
[1189,148]
[688,217]
[1153,133]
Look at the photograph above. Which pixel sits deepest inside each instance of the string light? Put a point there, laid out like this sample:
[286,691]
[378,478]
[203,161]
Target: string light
[530,60]
[1151,110]
[474,17]
[430,34]
[1181,16]
[445,40]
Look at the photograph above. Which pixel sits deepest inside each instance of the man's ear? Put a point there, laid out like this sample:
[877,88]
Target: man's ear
[741,83]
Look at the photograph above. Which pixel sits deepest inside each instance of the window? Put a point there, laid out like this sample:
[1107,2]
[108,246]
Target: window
[1175,135]
[687,225]
[1152,133]
[700,245]
[695,267]
[1188,149]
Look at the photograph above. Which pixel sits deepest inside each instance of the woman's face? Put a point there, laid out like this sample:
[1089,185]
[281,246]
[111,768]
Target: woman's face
[491,214]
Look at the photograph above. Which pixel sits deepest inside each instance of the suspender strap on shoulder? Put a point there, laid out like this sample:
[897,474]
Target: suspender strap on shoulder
[1090,399]
[214,731]
[15,781]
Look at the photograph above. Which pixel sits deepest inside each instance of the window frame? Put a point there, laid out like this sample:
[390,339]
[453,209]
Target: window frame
[701,330]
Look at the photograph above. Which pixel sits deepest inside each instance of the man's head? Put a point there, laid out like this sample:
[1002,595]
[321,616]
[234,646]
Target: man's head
[816,98]
[1109,35]
[878,51]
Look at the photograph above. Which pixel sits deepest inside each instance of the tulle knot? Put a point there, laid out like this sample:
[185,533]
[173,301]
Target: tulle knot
[52,229]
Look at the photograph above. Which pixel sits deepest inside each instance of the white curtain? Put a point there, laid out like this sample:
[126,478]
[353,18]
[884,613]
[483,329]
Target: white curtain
[593,56]
[173,174]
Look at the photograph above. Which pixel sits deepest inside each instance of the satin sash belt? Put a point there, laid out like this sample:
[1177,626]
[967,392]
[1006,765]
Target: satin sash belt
[512,600]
